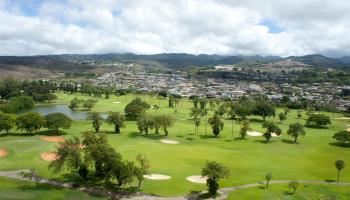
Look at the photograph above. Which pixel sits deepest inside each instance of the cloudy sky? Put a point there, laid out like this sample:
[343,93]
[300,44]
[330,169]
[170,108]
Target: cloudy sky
[226,27]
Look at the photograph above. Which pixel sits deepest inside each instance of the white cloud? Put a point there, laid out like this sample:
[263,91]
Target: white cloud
[191,26]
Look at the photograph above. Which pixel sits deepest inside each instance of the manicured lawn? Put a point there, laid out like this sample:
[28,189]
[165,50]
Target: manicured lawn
[16,190]
[282,191]
[249,160]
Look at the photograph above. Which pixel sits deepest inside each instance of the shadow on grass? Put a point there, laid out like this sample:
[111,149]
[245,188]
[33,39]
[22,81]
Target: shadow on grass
[41,187]
[264,141]
[149,136]
[330,181]
[189,138]
[316,127]
[257,120]
[288,193]
[339,144]
[207,136]
[180,136]
[287,141]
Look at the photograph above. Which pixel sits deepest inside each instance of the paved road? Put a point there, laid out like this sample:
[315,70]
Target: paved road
[140,196]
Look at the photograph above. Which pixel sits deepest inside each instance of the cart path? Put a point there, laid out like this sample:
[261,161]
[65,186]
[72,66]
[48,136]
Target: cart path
[140,196]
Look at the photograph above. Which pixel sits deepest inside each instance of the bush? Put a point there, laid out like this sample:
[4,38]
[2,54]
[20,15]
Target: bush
[318,120]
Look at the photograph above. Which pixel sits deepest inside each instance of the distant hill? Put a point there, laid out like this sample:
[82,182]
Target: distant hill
[72,62]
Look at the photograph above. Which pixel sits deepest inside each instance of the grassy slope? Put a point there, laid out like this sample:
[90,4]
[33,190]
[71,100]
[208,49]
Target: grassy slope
[249,160]
[16,190]
[282,191]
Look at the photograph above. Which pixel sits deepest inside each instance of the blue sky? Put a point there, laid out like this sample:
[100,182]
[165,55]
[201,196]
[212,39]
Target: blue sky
[234,27]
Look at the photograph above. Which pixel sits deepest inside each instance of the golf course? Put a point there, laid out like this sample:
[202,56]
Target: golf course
[183,153]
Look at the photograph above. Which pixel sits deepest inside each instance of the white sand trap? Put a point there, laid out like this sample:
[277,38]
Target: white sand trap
[348,129]
[169,141]
[274,135]
[342,118]
[254,133]
[117,102]
[197,179]
[157,176]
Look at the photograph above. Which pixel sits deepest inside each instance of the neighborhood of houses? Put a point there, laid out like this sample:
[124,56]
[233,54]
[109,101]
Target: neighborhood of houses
[178,83]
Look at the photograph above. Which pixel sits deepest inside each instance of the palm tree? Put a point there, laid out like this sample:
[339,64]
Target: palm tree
[339,164]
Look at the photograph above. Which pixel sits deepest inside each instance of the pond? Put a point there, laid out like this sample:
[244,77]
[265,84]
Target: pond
[47,109]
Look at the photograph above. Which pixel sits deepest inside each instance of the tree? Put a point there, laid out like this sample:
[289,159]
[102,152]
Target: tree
[165,122]
[295,130]
[30,122]
[197,123]
[270,128]
[299,114]
[282,116]
[145,123]
[195,112]
[243,107]
[294,184]
[268,178]
[135,109]
[318,120]
[17,104]
[245,127]
[88,104]
[203,103]
[117,120]
[216,124]
[340,165]
[221,110]
[7,122]
[341,136]
[68,156]
[96,119]
[204,113]
[123,171]
[54,121]
[32,175]
[74,103]
[214,172]
[286,111]
[264,109]
[142,169]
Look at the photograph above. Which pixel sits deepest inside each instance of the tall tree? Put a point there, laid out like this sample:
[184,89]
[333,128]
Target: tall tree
[214,172]
[245,127]
[117,120]
[216,124]
[54,121]
[30,122]
[295,130]
[270,128]
[142,169]
[96,119]
[268,178]
[340,165]
[7,122]
[294,184]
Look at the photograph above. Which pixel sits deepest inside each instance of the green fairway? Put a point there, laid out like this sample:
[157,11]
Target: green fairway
[249,160]
[16,190]
[282,191]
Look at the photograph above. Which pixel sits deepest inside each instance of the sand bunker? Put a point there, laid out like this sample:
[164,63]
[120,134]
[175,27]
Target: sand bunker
[342,118]
[3,152]
[274,135]
[169,141]
[348,129]
[52,139]
[197,179]
[157,176]
[49,156]
[117,102]
[254,133]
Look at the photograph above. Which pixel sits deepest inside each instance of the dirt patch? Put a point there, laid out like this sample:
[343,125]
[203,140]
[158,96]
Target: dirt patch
[157,177]
[52,139]
[49,156]
[169,141]
[3,152]
[254,133]
[117,102]
[197,179]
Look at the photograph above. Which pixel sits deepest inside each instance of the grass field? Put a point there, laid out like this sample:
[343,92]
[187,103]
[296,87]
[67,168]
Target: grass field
[249,160]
